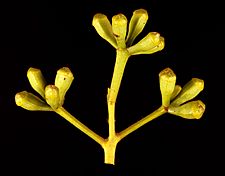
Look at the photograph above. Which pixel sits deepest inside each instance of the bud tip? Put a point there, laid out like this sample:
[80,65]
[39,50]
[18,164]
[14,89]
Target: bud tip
[19,98]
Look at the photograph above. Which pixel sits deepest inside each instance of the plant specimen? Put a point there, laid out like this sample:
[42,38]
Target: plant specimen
[121,35]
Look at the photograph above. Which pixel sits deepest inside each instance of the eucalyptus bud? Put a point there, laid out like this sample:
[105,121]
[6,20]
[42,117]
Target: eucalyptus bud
[63,80]
[136,25]
[104,28]
[52,96]
[167,80]
[176,91]
[190,110]
[151,43]
[119,28]
[36,80]
[189,91]
[31,102]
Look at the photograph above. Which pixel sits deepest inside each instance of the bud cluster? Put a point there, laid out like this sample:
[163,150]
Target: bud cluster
[176,99]
[120,35]
[53,95]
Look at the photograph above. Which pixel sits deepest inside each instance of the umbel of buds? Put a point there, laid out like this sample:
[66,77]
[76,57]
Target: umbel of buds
[174,97]
[116,33]
[52,96]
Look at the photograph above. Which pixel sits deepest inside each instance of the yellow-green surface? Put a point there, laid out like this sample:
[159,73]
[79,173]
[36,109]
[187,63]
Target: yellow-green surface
[120,34]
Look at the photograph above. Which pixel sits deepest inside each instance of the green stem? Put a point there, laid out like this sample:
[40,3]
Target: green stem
[110,145]
[142,122]
[66,115]
[121,59]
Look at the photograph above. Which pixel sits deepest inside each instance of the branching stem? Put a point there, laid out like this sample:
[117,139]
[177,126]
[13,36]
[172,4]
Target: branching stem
[122,56]
[109,144]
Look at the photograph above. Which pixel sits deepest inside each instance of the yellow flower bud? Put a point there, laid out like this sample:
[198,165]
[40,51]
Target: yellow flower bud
[136,25]
[31,102]
[167,80]
[36,80]
[176,91]
[52,96]
[151,43]
[119,28]
[189,91]
[63,80]
[104,28]
[190,110]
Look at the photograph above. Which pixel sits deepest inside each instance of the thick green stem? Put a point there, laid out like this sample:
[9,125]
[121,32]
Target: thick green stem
[121,59]
[110,146]
[110,150]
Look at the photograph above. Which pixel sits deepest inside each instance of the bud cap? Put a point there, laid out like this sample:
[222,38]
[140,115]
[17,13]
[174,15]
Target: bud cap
[31,102]
[189,91]
[52,96]
[37,80]
[63,81]
[190,110]
[136,25]
[104,28]
[167,80]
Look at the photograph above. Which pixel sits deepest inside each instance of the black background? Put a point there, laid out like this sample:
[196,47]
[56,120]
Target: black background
[51,34]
